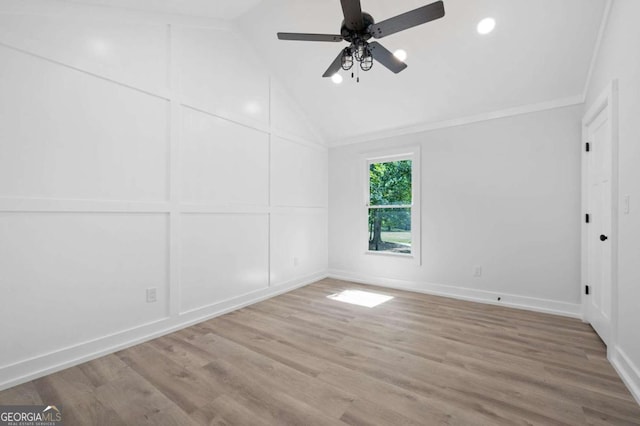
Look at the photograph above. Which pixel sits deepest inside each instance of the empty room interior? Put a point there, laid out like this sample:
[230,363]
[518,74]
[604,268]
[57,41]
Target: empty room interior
[319,212]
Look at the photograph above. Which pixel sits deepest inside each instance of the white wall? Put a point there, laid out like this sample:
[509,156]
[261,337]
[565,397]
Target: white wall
[502,194]
[618,58]
[141,151]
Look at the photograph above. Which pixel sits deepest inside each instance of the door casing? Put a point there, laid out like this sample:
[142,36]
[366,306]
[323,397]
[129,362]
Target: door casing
[607,100]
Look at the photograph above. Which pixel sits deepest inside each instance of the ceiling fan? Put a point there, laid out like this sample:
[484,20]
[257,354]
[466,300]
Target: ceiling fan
[358,27]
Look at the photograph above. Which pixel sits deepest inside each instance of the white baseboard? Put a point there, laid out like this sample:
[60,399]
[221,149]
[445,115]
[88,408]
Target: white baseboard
[33,368]
[573,310]
[628,372]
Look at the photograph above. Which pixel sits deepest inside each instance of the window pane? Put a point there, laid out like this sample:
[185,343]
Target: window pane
[390,230]
[390,183]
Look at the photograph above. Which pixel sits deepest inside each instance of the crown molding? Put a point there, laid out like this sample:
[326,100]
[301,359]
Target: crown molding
[429,126]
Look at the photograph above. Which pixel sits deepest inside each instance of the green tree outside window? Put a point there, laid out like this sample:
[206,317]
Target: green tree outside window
[390,198]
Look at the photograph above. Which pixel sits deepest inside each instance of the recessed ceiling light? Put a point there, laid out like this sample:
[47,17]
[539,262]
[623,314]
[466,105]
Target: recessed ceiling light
[486,25]
[336,78]
[400,54]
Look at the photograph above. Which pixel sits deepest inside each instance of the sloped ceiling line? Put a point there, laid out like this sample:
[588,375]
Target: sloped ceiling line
[539,54]
[596,48]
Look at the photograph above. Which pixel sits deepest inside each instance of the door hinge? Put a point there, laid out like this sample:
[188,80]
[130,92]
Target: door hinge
[586,218]
[587,290]
[588,147]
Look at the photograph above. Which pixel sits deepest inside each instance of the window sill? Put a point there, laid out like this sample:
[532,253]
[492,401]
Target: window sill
[384,253]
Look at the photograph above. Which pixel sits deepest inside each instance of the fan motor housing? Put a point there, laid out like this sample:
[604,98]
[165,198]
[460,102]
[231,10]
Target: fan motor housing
[363,34]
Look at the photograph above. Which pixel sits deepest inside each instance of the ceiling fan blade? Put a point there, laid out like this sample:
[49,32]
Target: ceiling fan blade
[386,58]
[352,14]
[335,66]
[309,37]
[407,20]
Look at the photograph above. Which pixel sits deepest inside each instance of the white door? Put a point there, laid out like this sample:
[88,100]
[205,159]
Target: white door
[599,205]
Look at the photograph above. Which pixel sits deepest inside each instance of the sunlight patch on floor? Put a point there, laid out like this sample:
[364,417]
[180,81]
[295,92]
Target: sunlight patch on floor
[360,298]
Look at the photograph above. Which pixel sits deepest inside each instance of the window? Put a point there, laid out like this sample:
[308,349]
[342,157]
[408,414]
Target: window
[391,205]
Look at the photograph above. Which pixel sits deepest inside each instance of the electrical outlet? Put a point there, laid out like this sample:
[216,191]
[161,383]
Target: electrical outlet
[626,204]
[296,261]
[152,295]
[477,271]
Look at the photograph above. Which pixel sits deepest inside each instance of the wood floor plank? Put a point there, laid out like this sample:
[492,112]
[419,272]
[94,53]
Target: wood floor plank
[597,418]
[270,346]
[365,413]
[104,370]
[304,359]
[407,372]
[136,400]
[408,403]
[181,351]
[186,389]
[261,397]
[486,340]
[74,394]
[308,389]
[226,410]
[25,394]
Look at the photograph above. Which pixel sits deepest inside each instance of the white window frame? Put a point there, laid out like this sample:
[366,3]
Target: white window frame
[384,156]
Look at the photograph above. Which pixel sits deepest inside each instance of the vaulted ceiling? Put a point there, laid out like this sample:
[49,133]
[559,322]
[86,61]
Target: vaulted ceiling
[217,9]
[539,53]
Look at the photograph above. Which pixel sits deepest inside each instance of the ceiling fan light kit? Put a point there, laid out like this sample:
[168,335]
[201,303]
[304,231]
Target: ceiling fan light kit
[359,27]
[347,58]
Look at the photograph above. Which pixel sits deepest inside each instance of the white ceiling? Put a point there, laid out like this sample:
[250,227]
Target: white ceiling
[217,9]
[540,51]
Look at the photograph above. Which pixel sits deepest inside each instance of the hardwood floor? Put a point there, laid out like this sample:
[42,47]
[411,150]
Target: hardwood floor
[303,359]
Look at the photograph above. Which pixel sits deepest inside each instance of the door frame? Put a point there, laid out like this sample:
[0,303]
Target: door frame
[607,100]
